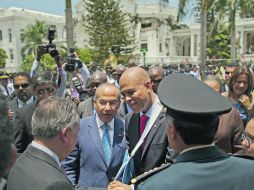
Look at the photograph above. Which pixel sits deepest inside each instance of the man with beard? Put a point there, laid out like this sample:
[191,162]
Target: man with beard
[23,91]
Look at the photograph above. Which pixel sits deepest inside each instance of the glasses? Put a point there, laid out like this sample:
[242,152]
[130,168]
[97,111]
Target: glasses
[92,85]
[156,80]
[45,91]
[228,72]
[110,102]
[246,137]
[17,86]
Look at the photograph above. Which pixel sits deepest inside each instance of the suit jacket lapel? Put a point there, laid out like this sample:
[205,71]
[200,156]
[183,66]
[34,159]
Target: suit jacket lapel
[152,133]
[133,131]
[118,136]
[95,136]
[200,154]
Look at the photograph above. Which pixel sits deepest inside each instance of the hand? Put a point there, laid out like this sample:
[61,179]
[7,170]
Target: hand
[117,185]
[41,49]
[10,114]
[245,101]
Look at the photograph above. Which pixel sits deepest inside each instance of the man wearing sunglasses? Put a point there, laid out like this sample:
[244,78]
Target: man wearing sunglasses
[156,74]
[24,92]
[43,87]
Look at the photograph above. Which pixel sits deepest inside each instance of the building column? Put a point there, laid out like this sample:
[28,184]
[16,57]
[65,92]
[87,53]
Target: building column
[192,46]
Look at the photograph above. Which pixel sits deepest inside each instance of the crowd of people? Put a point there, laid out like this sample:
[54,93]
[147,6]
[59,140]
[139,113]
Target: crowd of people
[128,127]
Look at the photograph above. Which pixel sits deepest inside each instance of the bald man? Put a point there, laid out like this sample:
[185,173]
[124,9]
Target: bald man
[156,74]
[86,107]
[136,88]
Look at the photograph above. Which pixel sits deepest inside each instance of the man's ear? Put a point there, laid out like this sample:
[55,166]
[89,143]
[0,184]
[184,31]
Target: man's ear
[148,85]
[64,134]
[171,131]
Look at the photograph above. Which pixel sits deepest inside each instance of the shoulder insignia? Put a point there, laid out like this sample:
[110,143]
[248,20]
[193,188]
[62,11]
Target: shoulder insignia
[149,173]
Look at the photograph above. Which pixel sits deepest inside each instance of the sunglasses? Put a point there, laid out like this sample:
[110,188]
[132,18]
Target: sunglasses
[17,86]
[45,91]
[156,81]
[228,72]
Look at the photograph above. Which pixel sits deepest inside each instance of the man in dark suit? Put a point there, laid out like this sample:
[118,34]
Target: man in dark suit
[89,165]
[55,126]
[7,150]
[192,125]
[22,134]
[136,88]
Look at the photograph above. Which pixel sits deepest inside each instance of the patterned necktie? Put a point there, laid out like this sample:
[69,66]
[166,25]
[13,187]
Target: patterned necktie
[106,143]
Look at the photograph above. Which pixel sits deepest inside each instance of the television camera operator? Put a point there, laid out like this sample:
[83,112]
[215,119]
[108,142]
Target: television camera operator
[79,76]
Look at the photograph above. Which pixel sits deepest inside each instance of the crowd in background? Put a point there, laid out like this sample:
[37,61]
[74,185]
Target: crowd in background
[101,96]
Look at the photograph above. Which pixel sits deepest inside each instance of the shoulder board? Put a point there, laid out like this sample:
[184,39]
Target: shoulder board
[243,156]
[145,175]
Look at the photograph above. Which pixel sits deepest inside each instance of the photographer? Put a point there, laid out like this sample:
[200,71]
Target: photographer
[60,75]
[50,48]
[80,74]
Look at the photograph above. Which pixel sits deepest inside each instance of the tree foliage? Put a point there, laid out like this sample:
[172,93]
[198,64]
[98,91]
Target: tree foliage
[218,45]
[106,26]
[3,57]
[27,63]
[32,36]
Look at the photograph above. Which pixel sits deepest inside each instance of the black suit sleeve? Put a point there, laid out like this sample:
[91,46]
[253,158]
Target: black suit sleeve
[19,134]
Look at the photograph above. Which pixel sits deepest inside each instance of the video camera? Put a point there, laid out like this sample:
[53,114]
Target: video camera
[50,47]
[83,94]
[72,62]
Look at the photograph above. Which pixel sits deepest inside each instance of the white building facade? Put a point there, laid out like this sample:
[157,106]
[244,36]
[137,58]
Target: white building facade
[13,21]
[164,45]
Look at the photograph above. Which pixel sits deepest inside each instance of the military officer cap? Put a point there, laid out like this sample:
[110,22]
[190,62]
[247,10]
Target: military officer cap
[4,75]
[189,99]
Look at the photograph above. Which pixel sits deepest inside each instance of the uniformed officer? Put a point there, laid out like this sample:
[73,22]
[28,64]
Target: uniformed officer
[193,111]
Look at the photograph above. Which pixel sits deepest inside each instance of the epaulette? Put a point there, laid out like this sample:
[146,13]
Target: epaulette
[149,173]
[242,156]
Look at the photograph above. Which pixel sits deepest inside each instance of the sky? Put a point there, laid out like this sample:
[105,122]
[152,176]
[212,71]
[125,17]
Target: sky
[49,6]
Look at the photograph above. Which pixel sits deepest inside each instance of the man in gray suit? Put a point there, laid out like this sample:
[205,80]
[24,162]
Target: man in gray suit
[91,163]
[55,126]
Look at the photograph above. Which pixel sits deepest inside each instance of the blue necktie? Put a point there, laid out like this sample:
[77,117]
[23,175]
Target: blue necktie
[106,143]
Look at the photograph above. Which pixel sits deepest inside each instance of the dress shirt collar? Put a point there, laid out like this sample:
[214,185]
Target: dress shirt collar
[21,104]
[47,151]
[100,122]
[152,108]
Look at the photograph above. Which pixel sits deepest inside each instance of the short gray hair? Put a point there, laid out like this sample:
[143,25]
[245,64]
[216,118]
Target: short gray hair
[52,115]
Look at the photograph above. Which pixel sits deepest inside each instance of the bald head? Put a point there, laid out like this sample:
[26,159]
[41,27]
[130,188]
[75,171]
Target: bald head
[156,70]
[136,88]
[213,83]
[136,75]
[99,76]
[156,74]
[250,127]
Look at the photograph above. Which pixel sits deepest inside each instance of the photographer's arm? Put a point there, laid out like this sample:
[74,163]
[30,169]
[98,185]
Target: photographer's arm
[63,76]
[85,74]
[36,64]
